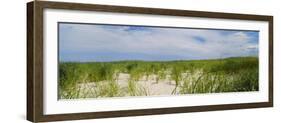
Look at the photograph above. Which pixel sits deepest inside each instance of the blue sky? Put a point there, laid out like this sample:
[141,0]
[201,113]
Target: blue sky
[85,42]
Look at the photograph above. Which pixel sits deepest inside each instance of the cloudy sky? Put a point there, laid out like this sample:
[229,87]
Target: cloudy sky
[85,42]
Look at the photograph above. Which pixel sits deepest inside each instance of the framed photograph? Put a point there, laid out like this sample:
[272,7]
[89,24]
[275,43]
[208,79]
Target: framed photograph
[90,61]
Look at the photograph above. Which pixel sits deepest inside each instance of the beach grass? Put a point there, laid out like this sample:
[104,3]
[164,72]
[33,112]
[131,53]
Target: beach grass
[236,74]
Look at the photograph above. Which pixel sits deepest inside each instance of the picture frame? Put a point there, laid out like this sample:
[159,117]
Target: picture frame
[37,78]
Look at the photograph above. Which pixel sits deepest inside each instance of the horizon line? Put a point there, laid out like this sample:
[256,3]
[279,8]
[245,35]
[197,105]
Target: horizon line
[160,60]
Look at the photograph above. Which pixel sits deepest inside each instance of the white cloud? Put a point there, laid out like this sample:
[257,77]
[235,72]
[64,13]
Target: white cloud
[155,41]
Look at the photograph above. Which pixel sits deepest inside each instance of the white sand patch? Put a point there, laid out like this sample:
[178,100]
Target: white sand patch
[145,85]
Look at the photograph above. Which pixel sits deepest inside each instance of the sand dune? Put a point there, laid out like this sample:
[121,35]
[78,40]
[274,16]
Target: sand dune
[149,86]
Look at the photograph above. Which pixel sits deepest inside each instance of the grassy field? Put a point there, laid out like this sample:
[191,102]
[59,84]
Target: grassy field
[145,78]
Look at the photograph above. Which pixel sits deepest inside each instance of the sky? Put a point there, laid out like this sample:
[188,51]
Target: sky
[97,42]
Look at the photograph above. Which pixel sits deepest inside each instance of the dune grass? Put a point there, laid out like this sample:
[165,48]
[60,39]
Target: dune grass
[237,74]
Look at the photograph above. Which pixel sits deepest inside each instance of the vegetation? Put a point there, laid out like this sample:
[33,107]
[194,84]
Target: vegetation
[102,79]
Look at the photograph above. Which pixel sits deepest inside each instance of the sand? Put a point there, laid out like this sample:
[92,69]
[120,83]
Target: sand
[145,86]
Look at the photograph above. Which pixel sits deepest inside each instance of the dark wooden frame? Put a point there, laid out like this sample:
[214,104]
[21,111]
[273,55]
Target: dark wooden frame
[35,60]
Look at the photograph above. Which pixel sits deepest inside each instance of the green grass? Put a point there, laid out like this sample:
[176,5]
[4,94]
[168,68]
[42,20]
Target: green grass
[237,74]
